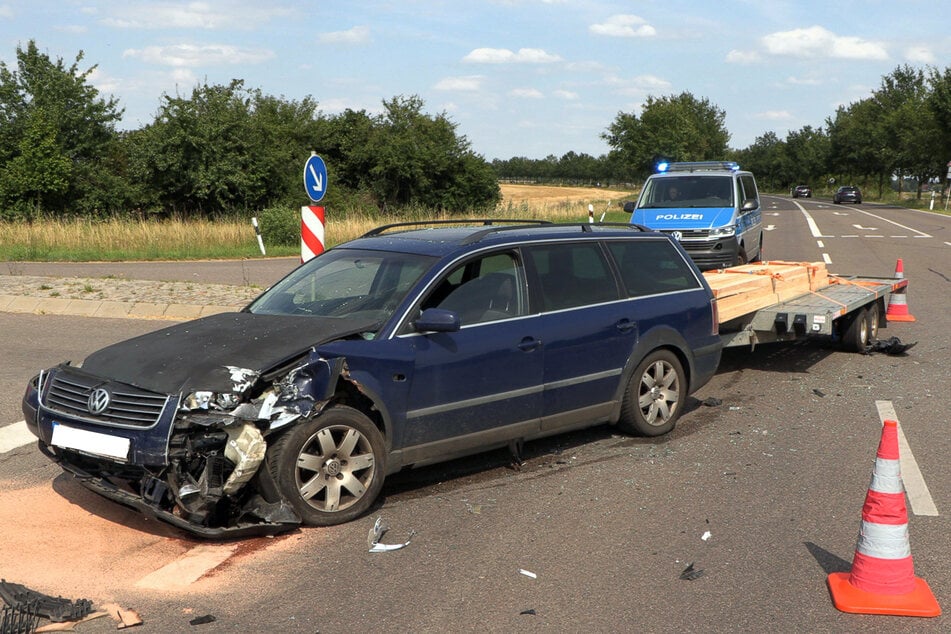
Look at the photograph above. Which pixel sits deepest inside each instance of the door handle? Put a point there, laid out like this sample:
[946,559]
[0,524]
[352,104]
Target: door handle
[626,325]
[528,344]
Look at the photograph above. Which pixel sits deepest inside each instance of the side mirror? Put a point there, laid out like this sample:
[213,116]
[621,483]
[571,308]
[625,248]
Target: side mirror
[437,320]
[629,206]
[749,204]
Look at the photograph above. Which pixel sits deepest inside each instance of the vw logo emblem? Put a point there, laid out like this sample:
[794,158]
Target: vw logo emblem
[98,401]
[677,235]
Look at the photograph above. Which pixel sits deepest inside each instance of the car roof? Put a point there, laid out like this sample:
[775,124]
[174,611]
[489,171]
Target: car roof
[441,240]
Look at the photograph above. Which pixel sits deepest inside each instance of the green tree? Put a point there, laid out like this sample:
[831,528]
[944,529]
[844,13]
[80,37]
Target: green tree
[51,117]
[680,127]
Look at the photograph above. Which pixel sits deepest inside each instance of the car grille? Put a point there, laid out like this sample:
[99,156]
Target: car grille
[128,406]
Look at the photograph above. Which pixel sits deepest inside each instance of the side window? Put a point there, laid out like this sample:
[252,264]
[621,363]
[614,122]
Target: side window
[748,187]
[649,267]
[573,274]
[486,289]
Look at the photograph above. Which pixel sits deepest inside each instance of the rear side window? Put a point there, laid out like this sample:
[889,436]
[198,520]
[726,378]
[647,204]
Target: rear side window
[571,275]
[649,267]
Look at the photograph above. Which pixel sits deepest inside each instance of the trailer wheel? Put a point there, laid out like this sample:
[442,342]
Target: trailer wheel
[858,329]
[873,314]
[655,395]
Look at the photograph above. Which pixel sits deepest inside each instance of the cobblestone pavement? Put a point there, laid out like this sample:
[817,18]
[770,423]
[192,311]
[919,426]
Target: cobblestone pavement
[119,297]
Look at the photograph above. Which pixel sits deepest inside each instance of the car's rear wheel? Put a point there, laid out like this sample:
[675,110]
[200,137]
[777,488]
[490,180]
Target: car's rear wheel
[330,468]
[654,396]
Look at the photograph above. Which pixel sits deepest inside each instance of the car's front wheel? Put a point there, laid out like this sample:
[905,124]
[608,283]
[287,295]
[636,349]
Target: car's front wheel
[330,468]
[654,396]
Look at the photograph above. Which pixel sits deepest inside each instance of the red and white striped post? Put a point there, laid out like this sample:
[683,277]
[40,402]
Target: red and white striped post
[311,232]
[312,216]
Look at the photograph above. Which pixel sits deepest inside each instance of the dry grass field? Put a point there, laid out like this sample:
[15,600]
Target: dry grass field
[174,239]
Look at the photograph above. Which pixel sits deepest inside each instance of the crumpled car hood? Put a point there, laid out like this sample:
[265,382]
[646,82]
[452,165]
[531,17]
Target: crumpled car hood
[196,355]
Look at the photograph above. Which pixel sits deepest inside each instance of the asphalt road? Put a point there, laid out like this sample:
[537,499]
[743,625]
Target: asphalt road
[762,492]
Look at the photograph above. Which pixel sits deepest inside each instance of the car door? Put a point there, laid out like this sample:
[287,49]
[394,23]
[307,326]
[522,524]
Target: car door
[482,384]
[587,332]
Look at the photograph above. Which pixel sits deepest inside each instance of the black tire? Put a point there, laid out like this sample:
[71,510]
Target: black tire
[857,329]
[873,314]
[330,468]
[741,258]
[655,395]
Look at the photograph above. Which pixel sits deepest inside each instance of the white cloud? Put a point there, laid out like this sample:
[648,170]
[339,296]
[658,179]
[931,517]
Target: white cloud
[469,83]
[5,11]
[774,115]
[624,25]
[76,29]
[191,55]
[527,93]
[802,81]
[742,57]
[639,85]
[817,41]
[356,35]
[566,94]
[191,15]
[506,56]
[920,55]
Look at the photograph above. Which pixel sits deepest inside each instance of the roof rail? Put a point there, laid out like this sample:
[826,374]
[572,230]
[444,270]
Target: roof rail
[461,222]
[586,227]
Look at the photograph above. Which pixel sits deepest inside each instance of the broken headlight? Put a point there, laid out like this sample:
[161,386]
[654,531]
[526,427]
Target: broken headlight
[203,399]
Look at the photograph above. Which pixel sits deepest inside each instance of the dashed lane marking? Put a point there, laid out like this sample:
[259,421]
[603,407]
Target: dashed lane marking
[15,436]
[918,494]
[188,568]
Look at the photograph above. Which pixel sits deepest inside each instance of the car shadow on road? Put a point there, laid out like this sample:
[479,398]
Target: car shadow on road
[785,357]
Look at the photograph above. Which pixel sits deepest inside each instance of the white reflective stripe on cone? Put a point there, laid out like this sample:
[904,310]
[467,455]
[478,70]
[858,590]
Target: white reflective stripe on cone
[884,541]
[886,477]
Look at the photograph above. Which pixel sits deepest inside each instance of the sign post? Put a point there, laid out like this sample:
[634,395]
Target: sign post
[312,216]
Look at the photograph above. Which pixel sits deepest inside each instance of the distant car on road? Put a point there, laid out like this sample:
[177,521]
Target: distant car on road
[802,191]
[847,194]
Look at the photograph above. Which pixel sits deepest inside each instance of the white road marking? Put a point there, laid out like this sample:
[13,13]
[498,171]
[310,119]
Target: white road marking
[826,258]
[820,243]
[921,234]
[861,228]
[948,243]
[14,436]
[874,236]
[918,494]
[813,227]
[188,568]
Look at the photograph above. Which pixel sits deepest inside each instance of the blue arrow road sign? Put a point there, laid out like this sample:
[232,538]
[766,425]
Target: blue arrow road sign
[315,178]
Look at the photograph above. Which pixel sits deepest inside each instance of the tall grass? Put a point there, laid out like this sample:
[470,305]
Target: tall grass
[175,239]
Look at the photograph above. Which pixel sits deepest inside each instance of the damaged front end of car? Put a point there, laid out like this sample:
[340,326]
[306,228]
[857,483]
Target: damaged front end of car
[196,460]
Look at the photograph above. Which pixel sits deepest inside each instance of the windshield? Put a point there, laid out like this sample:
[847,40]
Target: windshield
[688,191]
[345,283]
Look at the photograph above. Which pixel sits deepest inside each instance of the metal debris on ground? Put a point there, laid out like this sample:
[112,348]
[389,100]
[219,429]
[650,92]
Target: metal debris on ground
[690,573]
[529,611]
[56,609]
[892,345]
[376,534]
[527,573]
[818,393]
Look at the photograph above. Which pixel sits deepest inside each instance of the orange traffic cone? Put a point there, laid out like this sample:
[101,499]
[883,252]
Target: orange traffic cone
[897,305]
[883,578]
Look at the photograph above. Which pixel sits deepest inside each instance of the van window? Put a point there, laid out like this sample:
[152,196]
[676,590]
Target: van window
[748,189]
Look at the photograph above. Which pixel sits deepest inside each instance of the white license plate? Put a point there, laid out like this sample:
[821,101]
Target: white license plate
[90,442]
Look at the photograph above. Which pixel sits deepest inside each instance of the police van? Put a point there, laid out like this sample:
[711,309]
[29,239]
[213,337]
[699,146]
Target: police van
[711,207]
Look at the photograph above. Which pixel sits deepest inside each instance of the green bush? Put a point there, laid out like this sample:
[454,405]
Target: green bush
[280,225]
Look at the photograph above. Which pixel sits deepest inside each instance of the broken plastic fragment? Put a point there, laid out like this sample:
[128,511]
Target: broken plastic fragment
[690,573]
[202,620]
[243,378]
[707,535]
[527,573]
[892,345]
[376,534]
[56,609]
[712,401]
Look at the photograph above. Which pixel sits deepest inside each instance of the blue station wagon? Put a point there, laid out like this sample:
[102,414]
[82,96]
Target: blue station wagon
[414,344]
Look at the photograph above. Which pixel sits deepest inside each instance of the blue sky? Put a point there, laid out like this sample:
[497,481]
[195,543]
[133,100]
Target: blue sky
[519,77]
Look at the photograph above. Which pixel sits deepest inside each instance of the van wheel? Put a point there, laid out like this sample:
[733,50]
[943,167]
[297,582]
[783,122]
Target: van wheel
[741,258]
[655,395]
[330,468]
